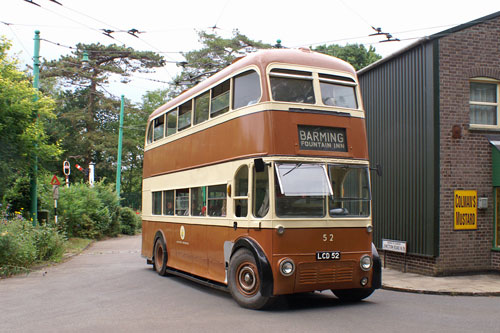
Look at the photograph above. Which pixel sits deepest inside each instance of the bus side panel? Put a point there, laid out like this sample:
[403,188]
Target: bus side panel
[236,138]
[214,246]
[198,250]
[148,234]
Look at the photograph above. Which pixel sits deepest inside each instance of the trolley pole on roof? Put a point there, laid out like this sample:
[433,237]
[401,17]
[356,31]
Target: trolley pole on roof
[120,138]
[34,170]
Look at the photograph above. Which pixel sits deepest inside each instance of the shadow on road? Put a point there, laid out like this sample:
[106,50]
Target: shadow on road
[284,303]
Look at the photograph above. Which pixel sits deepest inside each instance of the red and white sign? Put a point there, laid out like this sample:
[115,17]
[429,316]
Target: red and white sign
[66,168]
[55,181]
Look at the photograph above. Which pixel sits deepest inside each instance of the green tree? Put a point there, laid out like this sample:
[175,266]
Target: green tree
[21,136]
[216,53]
[87,123]
[355,54]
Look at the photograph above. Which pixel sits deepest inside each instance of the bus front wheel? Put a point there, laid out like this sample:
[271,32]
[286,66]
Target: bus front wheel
[160,256]
[353,295]
[244,281]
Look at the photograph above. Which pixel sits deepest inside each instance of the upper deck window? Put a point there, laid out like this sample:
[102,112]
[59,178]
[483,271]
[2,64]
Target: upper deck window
[338,91]
[158,127]
[220,99]
[171,122]
[150,132]
[201,104]
[184,116]
[292,86]
[246,89]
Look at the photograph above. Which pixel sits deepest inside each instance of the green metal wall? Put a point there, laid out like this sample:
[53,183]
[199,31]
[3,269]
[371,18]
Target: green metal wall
[400,96]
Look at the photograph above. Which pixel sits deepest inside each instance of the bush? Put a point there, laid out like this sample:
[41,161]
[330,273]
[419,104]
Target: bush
[22,244]
[88,212]
[129,221]
[49,243]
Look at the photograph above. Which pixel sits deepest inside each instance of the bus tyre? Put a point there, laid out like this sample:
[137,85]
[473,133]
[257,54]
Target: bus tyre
[244,281]
[160,256]
[353,295]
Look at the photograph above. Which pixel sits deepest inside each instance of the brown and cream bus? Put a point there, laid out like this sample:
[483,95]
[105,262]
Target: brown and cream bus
[257,181]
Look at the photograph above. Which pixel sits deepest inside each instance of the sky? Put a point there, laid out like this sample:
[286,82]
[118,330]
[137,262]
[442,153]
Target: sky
[170,27]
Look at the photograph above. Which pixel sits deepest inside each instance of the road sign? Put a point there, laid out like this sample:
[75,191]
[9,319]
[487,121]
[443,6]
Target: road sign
[55,181]
[66,168]
[55,192]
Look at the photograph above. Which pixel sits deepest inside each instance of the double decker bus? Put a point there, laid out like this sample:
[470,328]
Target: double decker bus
[257,181]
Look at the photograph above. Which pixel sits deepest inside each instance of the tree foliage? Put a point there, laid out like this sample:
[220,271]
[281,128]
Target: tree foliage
[355,54]
[87,118]
[215,54]
[21,135]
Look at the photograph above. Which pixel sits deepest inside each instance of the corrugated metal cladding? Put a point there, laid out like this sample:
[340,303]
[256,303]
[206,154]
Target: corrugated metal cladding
[398,97]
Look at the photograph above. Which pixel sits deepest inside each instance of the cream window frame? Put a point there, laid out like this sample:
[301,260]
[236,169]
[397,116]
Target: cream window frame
[497,104]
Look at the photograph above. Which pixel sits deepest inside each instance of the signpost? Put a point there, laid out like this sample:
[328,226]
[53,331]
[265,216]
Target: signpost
[394,246]
[465,210]
[55,193]
[67,171]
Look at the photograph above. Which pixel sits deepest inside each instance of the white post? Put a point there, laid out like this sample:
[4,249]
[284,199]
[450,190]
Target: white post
[91,174]
[55,211]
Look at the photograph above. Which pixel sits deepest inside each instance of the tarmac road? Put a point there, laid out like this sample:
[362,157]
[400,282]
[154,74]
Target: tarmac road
[109,288]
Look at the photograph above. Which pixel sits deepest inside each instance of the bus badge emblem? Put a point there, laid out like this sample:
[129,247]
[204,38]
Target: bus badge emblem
[182,232]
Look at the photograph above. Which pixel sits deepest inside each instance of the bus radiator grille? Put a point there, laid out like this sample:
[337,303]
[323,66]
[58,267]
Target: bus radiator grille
[321,273]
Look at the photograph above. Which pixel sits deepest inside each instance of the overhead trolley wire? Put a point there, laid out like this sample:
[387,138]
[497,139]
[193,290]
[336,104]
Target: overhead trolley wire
[9,25]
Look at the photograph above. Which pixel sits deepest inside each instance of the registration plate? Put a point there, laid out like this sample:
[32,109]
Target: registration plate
[328,255]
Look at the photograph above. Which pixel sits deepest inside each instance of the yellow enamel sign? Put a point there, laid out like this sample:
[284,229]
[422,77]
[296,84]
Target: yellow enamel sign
[465,210]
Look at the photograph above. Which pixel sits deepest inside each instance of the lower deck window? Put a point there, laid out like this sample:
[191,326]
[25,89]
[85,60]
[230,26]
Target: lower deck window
[302,190]
[198,198]
[168,202]
[182,202]
[217,200]
[351,191]
[156,209]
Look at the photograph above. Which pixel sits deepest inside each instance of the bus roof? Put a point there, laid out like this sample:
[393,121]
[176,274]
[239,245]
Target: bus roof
[262,59]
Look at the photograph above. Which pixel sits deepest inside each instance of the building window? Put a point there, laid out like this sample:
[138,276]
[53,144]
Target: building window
[484,103]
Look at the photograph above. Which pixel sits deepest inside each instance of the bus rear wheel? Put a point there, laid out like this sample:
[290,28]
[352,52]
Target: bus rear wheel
[353,295]
[160,256]
[244,281]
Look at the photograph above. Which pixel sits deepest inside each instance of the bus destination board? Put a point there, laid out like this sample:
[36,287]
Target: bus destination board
[322,138]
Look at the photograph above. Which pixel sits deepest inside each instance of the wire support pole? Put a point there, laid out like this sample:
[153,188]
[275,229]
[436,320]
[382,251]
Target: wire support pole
[34,170]
[120,139]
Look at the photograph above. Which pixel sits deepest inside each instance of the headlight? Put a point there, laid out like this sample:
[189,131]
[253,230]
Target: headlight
[287,267]
[365,263]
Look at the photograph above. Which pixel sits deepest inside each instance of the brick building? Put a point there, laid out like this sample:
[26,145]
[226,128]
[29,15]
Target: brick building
[433,122]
